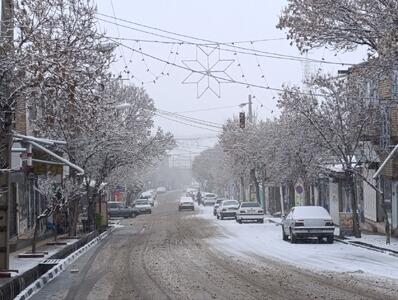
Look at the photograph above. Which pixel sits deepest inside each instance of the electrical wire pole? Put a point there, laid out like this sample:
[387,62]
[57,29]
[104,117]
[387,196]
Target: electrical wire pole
[250,113]
[6,126]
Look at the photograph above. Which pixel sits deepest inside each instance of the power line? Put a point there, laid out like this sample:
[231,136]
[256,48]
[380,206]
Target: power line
[191,43]
[207,109]
[185,118]
[223,79]
[187,124]
[273,54]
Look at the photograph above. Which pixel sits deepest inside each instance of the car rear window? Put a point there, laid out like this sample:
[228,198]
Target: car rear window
[254,204]
[316,212]
[232,202]
[141,202]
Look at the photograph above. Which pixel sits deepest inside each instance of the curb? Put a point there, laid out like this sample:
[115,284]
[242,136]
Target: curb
[368,246]
[59,268]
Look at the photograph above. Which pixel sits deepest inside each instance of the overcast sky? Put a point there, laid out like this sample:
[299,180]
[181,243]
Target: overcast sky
[221,21]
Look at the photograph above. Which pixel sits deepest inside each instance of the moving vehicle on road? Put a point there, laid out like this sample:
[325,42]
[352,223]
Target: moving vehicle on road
[186,203]
[304,222]
[216,205]
[250,211]
[209,199]
[143,206]
[119,210]
[227,209]
[161,190]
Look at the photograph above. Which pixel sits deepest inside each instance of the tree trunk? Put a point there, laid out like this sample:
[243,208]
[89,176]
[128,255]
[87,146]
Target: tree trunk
[282,200]
[73,216]
[242,187]
[265,206]
[35,233]
[91,211]
[386,221]
[55,221]
[256,184]
[354,205]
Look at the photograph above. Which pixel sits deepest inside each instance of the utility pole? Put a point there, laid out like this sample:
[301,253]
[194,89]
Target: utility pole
[6,126]
[250,113]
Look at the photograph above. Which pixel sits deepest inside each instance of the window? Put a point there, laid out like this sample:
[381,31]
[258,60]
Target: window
[371,91]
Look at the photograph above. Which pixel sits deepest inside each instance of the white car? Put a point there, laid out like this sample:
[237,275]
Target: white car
[217,205]
[227,209]
[186,203]
[250,211]
[209,199]
[303,222]
[143,206]
[161,190]
[150,196]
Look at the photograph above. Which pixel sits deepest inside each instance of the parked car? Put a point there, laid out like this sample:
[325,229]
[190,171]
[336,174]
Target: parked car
[186,203]
[250,211]
[161,190]
[303,222]
[143,206]
[209,199]
[149,196]
[216,205]
[119,210]
[227,209]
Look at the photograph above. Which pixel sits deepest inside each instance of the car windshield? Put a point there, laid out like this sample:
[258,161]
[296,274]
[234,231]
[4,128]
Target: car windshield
[141,202]
[230,202]
[254,204]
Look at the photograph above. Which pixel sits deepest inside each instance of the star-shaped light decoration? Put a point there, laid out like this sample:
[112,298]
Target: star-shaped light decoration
[208,71]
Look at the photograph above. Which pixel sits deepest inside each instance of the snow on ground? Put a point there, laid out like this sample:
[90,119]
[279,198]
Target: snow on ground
[25,264]
[251,239]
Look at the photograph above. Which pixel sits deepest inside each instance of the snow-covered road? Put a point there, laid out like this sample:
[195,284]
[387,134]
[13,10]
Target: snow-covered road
[253,241]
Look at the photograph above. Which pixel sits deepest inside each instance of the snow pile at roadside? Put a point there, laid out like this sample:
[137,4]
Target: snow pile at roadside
[252,241]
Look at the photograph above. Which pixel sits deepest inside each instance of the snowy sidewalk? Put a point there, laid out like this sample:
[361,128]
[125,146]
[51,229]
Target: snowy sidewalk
[375,241]
[25,264]
[253,241]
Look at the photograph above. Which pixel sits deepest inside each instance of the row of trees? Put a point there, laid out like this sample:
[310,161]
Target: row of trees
[61,74]
[327,122]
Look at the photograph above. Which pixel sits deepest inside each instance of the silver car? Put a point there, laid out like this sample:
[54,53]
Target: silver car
[227,209]
[303,222]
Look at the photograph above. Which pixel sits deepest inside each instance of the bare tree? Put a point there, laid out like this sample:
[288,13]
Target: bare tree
[341,117]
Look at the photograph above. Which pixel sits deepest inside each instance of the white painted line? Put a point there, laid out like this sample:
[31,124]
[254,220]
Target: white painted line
[59,268]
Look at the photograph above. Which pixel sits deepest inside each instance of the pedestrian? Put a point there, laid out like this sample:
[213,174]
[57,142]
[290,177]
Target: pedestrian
[199,197]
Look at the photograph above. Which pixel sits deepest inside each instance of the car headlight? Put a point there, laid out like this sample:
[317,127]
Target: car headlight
[224,209]
[242,211]
[260,211]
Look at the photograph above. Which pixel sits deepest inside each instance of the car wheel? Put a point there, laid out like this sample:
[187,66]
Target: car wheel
[218,217]
[293,239]
[261,220]
[330,239]
[222,218]
[284,235]
[150,211]
[239,221]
